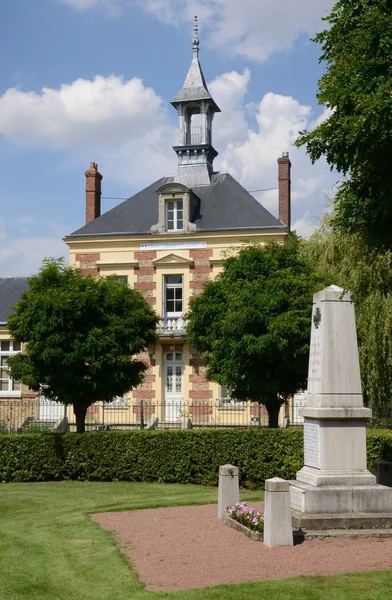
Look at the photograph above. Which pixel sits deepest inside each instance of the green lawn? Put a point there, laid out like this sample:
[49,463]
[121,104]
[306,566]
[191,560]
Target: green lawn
[50,550]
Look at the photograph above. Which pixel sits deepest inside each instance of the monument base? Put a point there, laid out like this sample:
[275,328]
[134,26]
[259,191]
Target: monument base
[320,477]
[360,525]
[343,499]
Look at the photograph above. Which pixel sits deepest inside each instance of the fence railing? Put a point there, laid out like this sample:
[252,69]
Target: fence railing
[29,416]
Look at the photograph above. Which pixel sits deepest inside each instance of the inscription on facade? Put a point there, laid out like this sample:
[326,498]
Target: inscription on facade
[174,246]
[312,443]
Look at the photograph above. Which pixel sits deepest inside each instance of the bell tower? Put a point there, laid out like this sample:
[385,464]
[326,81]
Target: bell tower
[196,109]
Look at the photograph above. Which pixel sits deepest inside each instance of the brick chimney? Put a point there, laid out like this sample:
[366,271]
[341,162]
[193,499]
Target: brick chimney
[93,192]
[284,182]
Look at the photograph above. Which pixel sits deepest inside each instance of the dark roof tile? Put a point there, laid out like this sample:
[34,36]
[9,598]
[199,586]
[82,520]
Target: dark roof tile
[224,205]
[11,289]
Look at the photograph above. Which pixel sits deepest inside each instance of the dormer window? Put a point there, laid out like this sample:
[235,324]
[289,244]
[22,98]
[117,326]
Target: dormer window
[177,206]
[174,215]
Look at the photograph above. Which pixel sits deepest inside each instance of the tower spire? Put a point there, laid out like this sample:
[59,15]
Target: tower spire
[196,109]
[196,41]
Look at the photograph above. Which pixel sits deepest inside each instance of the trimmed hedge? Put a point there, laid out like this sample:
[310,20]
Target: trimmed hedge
[164,456]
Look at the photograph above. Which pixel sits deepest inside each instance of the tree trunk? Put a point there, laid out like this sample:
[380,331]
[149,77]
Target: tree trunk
[273,414]
[80,415]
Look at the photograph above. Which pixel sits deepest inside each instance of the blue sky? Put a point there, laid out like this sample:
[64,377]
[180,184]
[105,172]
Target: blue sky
[91,80]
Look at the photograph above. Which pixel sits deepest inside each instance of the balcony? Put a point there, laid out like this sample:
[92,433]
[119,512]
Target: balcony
[172,328]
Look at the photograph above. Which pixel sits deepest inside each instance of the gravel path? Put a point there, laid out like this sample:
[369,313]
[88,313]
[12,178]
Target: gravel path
[180,548]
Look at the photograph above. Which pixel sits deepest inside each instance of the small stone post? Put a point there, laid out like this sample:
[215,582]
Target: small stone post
[228,490]
[278,528]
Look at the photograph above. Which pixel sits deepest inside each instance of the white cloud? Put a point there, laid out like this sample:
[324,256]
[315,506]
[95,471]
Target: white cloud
[124,126]
[251,28]
[110,7]
[22,256]
[122,122]
[106,111]
[229,91]
[304,226]
[253,161]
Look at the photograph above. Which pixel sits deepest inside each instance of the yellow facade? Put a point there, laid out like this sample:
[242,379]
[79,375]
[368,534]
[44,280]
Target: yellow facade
[197,257]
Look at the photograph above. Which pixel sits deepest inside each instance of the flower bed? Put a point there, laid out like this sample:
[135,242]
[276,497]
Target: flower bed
[246,519]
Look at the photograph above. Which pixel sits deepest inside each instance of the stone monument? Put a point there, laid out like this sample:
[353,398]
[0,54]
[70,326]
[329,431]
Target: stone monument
[334,491]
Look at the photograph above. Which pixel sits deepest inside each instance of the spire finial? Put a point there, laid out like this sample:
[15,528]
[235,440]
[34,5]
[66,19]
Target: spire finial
[195,46]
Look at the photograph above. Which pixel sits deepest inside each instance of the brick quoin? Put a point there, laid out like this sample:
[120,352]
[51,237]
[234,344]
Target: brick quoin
[197,378]
[145,255]
[29,396]
[149,379]
[146,270]
[149,362]
[201,253]
[88,257]
[151,301]
[254,411]
[201,394]
[198,284]
[145,285]
[92,271]
[201,269]
[143,394]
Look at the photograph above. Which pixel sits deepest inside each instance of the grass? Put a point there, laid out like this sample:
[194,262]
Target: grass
[50,550]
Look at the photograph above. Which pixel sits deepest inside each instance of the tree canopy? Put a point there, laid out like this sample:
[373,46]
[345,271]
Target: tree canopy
[356,138]
[367,273]
[82,336]
[252,324]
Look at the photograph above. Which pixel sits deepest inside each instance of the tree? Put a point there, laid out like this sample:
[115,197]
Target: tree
[367,273]
[252,324]
[356,138]
[81,335]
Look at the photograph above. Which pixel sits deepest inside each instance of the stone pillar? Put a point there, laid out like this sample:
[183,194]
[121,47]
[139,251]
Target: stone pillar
[228,490]
[278,529]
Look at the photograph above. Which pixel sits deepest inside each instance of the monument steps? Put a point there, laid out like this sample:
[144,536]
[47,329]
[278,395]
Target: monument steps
[342,522]
[326,534]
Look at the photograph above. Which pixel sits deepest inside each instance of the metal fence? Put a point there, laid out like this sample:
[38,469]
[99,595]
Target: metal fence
[42,415]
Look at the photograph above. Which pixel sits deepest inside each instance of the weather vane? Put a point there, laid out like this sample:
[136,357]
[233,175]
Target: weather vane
[196,41]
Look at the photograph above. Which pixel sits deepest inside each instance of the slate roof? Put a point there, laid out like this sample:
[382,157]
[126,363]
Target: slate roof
[195,87]
[223,206]
[11,289]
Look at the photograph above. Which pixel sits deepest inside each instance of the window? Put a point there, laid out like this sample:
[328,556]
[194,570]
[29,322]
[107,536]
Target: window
[7,385]
[226,401]
[173,296]
[120,278]
[174,215]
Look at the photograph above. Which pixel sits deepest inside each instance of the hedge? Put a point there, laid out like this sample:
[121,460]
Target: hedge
[164,456]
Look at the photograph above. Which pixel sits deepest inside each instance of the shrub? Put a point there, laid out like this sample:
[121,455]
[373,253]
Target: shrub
[165,456]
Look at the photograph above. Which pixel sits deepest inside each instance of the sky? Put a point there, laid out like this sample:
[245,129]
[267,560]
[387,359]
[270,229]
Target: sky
[92,80]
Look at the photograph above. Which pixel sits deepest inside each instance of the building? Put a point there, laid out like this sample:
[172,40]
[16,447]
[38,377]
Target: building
[169,239]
